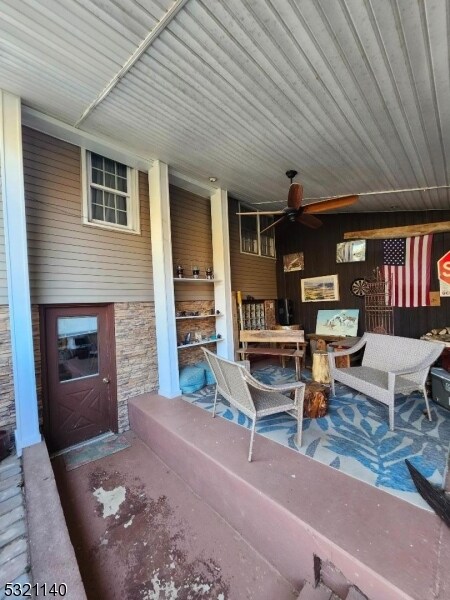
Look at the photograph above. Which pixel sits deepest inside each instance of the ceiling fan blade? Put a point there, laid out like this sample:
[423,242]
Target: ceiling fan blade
[261,212]
[309,220]
[295,196]
[325,205]
[273,224]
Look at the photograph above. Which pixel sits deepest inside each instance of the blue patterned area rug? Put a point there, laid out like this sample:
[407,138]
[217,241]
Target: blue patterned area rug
[354,437]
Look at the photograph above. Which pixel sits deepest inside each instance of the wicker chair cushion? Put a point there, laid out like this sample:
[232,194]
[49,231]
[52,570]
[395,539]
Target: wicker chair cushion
[192,379]
[375,377]
[268,403]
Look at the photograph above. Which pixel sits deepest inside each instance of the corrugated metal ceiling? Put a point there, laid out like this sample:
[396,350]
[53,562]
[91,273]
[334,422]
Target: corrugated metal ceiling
[354,94]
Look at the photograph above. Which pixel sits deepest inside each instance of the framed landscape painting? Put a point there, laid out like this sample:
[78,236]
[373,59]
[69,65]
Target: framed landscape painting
[320,289]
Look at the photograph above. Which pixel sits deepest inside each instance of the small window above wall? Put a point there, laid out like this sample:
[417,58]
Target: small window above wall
[110,193]
[252,240]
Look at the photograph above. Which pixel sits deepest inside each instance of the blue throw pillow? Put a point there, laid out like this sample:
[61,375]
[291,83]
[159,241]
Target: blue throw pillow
[192,379]
[210,379]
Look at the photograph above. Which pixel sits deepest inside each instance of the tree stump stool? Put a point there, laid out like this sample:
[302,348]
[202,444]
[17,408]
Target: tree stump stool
[316,401]
[320,368]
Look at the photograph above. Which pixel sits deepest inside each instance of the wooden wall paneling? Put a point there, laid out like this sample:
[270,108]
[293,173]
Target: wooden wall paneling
[319,249]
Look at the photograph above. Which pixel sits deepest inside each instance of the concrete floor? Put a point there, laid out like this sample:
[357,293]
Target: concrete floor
[141,534]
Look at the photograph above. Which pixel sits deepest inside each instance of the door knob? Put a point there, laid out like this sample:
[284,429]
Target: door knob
[105,379]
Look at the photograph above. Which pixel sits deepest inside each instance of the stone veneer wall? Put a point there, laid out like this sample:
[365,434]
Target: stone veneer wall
[136,359]
[7,406]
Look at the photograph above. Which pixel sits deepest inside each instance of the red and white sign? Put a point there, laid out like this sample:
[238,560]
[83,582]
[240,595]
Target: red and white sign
[443,266]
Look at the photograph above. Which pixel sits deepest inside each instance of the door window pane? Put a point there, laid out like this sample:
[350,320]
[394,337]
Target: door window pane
[77,347]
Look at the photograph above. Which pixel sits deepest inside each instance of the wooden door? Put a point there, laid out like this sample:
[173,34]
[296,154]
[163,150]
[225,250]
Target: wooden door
[79,373]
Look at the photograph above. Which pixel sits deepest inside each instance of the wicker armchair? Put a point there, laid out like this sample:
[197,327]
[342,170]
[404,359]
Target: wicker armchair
[391,365]
[253,398]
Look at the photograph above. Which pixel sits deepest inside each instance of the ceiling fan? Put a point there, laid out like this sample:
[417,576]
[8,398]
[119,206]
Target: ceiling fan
[295,212]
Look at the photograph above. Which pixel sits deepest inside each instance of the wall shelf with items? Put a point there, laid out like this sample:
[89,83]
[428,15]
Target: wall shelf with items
[202,343]
[199,317]
[195,280]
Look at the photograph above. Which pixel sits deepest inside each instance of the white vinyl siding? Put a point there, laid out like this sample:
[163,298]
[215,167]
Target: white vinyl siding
[70,262]
[251,274]
[190,218]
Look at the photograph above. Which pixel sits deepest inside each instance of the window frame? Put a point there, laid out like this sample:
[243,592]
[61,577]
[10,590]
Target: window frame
[242,208]
[132,196]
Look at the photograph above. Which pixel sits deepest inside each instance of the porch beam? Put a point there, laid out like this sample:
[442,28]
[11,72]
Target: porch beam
[133,59]
[166,333]
[16,252]
[222,271]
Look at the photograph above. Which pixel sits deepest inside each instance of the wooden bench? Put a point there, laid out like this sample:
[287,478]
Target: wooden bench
[268,336]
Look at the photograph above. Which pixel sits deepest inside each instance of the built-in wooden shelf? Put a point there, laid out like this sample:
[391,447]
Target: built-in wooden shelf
[193,280]
[203,343]
[199,317]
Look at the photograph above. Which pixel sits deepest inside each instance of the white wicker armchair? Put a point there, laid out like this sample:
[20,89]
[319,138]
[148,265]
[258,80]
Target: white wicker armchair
[253,398]
[391,365]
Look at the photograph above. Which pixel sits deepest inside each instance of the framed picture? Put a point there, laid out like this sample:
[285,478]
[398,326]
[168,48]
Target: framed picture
[354,251]
[338,322]
[320,289]
[293,262]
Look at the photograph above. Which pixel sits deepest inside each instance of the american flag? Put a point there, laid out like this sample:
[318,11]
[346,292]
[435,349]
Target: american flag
[407,264]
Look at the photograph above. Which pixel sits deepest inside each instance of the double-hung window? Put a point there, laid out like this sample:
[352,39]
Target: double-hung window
[253,239]
[110,198]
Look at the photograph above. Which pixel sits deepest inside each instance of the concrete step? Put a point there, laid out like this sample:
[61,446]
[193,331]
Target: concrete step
[10,504]
[9,518]
[13,568]
[15,530]
[12,550]
[15,480]
[315,593]
[23,578]
[300,501]
[10,471]
[10,461]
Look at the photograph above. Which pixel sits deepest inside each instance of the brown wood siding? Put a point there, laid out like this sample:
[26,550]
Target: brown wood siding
[69,261]
[252,275]
[319,248]
[3,281]
[190,217]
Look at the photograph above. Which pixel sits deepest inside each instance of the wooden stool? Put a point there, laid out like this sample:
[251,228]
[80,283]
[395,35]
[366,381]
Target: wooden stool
[316,400]
[320,368]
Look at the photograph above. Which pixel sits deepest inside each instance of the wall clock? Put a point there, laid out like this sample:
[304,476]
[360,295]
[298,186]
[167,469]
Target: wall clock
[359,287]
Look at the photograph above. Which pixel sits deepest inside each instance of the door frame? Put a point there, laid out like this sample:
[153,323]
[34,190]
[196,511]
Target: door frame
[110,334]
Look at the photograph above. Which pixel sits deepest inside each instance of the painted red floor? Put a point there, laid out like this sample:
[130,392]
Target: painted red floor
[141,534]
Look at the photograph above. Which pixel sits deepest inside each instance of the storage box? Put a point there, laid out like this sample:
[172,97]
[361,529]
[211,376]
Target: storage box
[440,382]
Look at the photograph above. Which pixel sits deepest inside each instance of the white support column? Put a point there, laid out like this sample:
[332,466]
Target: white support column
[222,271]
[13,193]
[166,333]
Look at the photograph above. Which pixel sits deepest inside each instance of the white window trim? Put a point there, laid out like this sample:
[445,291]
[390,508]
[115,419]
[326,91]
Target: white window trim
[258,228]
[133,202]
